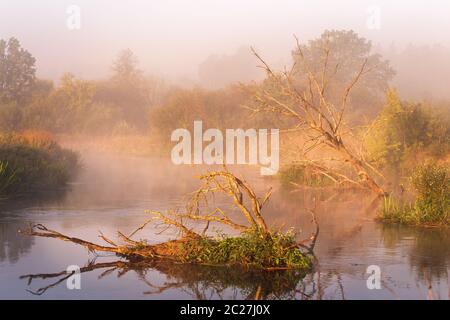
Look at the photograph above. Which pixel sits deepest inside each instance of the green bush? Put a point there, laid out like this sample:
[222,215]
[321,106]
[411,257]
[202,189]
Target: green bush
[404,129]
[432,183]
[432,206]
[32,165]
[275,250]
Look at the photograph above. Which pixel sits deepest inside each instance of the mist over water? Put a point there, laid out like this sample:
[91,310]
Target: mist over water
[113,193]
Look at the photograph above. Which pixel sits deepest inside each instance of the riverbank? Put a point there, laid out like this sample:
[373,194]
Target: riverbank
[33,161]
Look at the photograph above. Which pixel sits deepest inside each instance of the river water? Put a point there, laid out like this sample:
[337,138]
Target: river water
[112,193]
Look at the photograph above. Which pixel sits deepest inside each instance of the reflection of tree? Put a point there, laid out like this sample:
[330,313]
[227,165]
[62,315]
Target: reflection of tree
[12,244]
[37,198]
[429,253]
[201,282]
[353,209]
[207,282]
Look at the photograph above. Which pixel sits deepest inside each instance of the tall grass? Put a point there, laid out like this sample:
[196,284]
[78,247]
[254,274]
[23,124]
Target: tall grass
[6,177]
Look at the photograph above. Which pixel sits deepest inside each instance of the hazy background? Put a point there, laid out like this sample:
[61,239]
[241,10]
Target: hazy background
[182,40]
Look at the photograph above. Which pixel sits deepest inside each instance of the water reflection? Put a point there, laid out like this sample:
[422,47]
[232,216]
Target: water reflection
[12,244]
[428,252]
[112,193]
[199,282]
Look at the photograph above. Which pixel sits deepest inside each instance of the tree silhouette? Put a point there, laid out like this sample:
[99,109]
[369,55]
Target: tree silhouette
[17,72]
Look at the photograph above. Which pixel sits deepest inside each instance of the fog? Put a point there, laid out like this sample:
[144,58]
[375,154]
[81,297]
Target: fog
[173,39]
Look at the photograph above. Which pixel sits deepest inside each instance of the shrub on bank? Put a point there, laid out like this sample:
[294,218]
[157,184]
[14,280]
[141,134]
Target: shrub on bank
[33,161]
[404,131]
[432,205]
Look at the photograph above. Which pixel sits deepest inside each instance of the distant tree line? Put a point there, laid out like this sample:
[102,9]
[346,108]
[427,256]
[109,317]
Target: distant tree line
[119,104]
[130,101]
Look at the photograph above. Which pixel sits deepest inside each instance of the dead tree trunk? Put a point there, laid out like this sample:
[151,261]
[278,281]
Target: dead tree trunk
[317,117]
[362,172]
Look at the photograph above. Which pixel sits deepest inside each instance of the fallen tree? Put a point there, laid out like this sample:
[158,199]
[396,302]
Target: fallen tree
[255,246]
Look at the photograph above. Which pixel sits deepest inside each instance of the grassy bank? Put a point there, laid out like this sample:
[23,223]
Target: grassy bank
[432,205]
[32,161]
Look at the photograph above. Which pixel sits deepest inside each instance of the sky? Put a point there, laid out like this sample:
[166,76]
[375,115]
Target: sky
[172,38]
